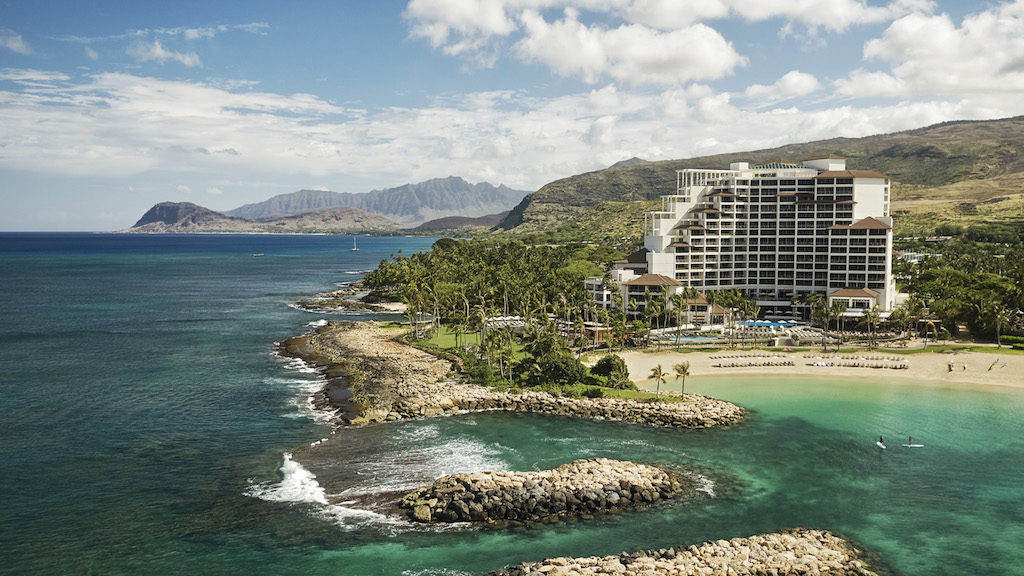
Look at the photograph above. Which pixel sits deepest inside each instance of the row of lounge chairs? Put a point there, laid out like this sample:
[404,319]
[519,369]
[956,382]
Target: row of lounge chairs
[851,364]
[753,364]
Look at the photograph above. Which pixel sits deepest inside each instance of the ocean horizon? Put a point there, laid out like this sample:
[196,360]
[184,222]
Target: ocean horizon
[149,427]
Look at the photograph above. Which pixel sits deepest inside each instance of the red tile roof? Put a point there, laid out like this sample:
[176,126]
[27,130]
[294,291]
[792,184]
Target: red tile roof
[854,293]
[654,280]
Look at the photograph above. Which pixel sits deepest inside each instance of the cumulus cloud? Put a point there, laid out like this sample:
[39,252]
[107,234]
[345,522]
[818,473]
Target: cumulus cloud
[632,53]
[480,30]
[792,84]
[182,189]
[14,42]
[214,191]
[931,54]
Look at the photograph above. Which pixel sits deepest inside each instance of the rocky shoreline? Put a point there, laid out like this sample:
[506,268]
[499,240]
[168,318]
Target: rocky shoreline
[346,299]
[798,552]
[581,487]
[393,381]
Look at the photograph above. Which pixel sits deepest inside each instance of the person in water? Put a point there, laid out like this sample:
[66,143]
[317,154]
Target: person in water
[910,440]
[881,440]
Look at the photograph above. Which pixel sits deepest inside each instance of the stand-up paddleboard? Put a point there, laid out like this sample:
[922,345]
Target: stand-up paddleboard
[913,445]
[880,445]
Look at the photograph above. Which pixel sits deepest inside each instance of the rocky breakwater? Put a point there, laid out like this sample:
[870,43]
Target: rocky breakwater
[800,551]
[450,398]
[578,488]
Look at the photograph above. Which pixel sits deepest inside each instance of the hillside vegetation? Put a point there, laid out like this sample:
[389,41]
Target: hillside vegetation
[954,170]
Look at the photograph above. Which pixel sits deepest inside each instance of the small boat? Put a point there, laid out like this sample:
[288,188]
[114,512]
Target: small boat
[354,247]
[257,255]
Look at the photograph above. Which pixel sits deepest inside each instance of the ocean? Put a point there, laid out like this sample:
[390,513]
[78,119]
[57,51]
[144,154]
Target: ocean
[147,427]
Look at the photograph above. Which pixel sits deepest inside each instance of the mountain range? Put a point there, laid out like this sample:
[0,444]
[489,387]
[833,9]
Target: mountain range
[408,205]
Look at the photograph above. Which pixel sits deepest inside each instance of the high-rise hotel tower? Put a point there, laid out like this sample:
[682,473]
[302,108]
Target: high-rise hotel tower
[778,230]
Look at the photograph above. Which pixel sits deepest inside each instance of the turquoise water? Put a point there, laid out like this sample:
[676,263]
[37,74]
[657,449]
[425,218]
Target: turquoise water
[144,420]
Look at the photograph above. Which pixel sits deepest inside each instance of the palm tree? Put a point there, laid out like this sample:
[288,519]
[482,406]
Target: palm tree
[836,310]
[997,314]
[869,319]
[678,301]
[658,374]
[682,370]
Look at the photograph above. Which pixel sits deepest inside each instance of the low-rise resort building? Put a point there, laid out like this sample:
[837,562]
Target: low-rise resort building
[775,231]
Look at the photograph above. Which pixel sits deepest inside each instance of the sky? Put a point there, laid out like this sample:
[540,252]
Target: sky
[107,108]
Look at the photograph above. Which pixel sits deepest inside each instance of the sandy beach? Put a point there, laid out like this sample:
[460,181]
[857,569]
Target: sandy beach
[995,368]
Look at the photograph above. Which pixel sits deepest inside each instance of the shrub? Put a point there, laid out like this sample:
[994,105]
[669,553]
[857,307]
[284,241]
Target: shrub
[613,369]
[606,364]
[948,229]
[1009,339]
[594,392]
[1018,346]
[943,334]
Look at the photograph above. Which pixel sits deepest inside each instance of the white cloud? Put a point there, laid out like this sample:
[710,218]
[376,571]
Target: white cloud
[92,53]
[14,42]
[654,42]
[930,54]
[632,53]
[30,77]
[126,126]
[144,51]
[793,83]
[437,20]
[833,15]
[182,189]
[214,191]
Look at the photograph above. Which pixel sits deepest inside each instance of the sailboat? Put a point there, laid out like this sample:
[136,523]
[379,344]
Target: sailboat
[354,247]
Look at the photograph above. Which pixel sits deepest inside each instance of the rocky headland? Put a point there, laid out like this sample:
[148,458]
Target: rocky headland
[393,381]
[579,488]
[794,552]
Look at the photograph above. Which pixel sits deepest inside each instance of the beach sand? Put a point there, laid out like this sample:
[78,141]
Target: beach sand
[1007,370]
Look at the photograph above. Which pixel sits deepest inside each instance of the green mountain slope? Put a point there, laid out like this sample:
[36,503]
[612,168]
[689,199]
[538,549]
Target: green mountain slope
[948,164]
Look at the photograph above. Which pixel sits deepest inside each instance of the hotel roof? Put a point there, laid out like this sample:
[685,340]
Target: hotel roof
[854,293]
[638,257]
[777,164]
[869,223]
[654,280]
[851,174]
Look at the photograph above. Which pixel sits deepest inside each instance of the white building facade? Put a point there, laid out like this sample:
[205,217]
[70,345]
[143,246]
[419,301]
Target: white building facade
[776,231]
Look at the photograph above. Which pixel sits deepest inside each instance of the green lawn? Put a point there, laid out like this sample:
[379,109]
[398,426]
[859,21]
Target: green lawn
[445,339]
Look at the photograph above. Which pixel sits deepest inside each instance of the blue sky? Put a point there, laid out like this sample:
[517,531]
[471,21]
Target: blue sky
[107,108]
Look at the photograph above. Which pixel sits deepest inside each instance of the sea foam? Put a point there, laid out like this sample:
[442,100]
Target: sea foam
[297,485]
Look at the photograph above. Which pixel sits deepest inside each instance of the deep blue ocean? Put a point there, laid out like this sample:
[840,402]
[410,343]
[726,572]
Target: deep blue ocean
[147,427]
